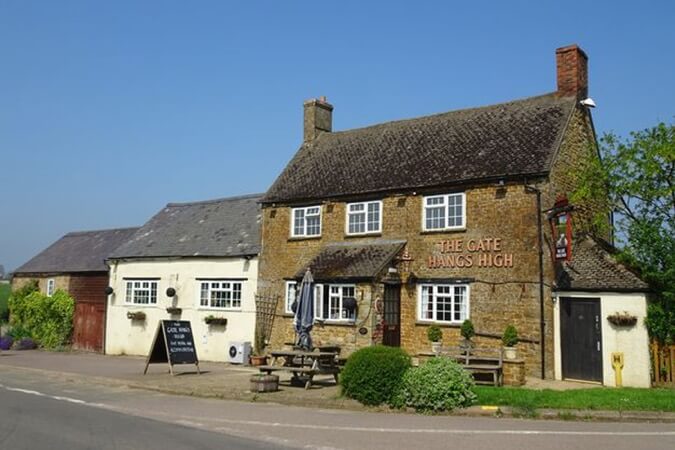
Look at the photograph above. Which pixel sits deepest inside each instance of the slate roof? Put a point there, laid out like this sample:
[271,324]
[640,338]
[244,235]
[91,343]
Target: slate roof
[349,261]
[83,251]
[223,227]
[594,268]
[511,139]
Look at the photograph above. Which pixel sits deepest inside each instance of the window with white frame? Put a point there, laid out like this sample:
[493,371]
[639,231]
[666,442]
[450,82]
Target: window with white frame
[447,303]
[50,287]
[444,212]
[221,294]
[306,222]
[364,217]
[291,292]
[141,292]
[330,302]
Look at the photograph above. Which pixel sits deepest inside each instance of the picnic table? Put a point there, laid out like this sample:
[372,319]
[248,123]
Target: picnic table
[304,365]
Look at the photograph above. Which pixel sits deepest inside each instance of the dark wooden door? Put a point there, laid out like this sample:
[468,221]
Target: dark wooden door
[581,338]
[392,315]
[88,326]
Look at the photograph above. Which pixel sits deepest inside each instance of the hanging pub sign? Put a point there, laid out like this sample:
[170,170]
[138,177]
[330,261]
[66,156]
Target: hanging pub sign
[173,344]
[561,230]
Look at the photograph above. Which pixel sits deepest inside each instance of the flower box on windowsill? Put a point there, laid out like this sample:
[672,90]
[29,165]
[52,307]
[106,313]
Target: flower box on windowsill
[210,320]
[136,315]
[174,310]
[622,319]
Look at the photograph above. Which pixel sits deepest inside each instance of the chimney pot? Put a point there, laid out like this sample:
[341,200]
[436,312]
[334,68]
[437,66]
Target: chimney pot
[318,118]
[572,72]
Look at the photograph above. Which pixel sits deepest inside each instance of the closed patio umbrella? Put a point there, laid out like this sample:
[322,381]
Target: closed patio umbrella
[304,312]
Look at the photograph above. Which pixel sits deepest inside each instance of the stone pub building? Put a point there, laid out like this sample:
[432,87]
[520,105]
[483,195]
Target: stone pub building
[436,219]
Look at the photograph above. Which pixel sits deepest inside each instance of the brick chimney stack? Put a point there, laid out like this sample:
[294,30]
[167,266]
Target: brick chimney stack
[318,118]
[572,65]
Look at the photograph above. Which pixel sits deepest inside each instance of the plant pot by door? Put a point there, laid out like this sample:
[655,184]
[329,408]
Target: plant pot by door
[510,353]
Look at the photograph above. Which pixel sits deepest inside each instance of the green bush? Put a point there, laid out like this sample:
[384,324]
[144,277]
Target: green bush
[49,320]
[434,333]
[373,374]
[510,337]
[5,291]
[439,384]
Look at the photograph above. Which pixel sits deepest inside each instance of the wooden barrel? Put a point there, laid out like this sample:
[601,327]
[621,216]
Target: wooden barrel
[264,383]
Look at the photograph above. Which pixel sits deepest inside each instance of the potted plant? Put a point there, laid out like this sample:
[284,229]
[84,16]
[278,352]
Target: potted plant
[510,339]
[213,320]
[174,310]
[467,331]
[434,334]
[258,357]
[624,319]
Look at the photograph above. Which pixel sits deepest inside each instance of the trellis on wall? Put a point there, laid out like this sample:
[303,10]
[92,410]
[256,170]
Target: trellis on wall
[265,310]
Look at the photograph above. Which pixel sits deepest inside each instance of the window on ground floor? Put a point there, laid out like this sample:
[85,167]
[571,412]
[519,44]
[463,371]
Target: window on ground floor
[445,303]
[330,302]
[141,292]
[220,294]
[50,287]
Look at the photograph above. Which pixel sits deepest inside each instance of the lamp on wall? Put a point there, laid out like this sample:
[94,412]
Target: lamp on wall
[109,290]
[170,292]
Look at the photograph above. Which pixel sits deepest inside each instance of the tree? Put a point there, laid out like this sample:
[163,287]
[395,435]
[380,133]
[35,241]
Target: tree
[635,180]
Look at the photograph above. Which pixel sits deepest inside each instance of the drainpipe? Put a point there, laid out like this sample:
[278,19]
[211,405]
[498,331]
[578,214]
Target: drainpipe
[540,238]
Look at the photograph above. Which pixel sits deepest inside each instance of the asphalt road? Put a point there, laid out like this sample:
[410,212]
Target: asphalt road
[42,410]
[34,422]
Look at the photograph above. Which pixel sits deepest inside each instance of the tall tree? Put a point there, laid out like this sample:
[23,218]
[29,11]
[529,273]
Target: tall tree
[635,180]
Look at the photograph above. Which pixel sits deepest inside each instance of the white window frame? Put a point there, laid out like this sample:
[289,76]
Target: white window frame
[130,291]
[349,213]
[211,289]
[435,294]
[305,210]
[290,286]
[51,287]
[318,302]
[444,205]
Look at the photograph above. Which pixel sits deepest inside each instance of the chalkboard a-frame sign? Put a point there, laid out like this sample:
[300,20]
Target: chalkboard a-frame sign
[173,344]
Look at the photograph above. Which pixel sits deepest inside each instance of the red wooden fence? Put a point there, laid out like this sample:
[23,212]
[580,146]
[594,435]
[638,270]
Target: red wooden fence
[663,364]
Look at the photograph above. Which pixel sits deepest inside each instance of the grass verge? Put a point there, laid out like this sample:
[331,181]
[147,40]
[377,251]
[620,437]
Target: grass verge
[608,399]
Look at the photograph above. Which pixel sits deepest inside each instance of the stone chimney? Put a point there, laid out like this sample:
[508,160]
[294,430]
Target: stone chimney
[318,118]
[572,65]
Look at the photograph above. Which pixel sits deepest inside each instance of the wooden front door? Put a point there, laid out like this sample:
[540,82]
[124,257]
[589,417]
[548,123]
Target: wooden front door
[392,315]
[581,338]
[88,326]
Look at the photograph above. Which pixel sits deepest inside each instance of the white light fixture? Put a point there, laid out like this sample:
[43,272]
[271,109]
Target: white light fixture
[588,103]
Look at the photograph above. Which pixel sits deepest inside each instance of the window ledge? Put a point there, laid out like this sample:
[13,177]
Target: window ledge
[445,230]
[335,323]
[303,238]
[363,235]
[440,324]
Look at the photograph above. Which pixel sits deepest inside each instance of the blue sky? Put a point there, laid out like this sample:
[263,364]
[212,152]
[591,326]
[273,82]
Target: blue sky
[109,110]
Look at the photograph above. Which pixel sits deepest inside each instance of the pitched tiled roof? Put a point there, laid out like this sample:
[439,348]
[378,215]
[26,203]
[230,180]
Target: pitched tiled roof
[83,251]
[346,260]
[224,227]
[510,139]
[594,268]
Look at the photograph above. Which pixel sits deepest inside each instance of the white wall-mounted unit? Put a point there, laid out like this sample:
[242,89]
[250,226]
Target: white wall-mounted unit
[239,352]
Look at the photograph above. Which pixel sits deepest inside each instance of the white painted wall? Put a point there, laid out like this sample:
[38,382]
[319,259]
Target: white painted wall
[135,338]
[632,341]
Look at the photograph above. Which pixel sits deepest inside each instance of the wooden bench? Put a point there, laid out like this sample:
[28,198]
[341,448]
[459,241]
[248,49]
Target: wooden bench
[478,361]
[304,364]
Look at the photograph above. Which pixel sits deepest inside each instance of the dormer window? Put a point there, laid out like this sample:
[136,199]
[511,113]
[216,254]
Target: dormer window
[444,212]
[364,218]
[306,222]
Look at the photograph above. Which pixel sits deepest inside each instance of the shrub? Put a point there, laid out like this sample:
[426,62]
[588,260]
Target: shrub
[467,330]
[5,291]
[373,374]
[510,337]
[434,333]
[17,332]
[49,320]
[24,344]
[439,384]
[17,300]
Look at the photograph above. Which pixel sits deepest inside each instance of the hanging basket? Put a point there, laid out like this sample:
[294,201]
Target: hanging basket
[215,320]
[622,319]
[136,315]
